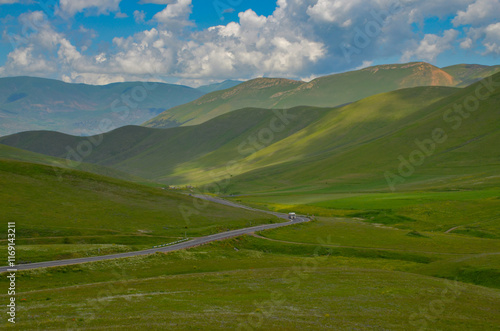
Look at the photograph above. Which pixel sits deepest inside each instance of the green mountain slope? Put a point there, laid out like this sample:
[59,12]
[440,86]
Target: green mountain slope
[465,155]
[470,73]
[219,86]
[260,93]
[161,153]
[329,91]
[351,147]
[28,103]
[60,166]
[249,138]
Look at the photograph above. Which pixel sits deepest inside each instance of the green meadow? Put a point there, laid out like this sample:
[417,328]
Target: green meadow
[252,283]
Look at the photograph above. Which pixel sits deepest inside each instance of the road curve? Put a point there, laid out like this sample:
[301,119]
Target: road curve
[187,244]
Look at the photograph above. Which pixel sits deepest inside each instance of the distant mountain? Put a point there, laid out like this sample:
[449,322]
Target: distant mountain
[28,103]
[470,73]
[328,91]
[219,86]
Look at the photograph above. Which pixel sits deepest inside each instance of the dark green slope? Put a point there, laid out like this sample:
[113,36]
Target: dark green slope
[328,91]
[161,153]
[28,103]
[61,166]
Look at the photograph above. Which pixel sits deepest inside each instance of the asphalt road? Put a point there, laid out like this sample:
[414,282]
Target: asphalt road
[187,244]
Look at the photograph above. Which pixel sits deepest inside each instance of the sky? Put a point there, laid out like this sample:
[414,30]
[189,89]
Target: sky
[196,42]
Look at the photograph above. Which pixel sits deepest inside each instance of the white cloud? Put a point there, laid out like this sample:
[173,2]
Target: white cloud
[431,46]
[478,13]
[492,39]
[365,64]
[301,38]
[139,16]
[466,43]
[158,2]
[334,11]
[72,7]
[119,14]
[175,14]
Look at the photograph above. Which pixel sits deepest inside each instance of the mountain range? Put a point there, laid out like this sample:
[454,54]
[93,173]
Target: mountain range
[327,91]
[29,103]
[383,142]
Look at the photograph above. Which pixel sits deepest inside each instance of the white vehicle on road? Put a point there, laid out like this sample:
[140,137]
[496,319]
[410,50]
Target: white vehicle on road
[291,216]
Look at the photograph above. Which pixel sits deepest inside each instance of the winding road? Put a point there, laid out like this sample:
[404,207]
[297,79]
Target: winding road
[187,244]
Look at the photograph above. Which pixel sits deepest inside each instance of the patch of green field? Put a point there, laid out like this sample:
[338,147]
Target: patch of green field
[468,212]
[226,285]
[352,233]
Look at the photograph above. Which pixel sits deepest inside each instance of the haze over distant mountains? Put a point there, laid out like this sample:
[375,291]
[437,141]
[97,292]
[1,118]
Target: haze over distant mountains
[28,103]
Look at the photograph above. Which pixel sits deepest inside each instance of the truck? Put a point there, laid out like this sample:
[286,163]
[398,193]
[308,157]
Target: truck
[291,216]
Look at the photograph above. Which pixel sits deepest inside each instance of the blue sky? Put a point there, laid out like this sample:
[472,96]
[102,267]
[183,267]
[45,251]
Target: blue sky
[196,42]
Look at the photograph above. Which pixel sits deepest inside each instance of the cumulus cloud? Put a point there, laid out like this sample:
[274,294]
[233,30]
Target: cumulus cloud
[479,12]
[301,38]
[337,11]
[158,2]
[492,39]
[431,46]
[71,7]
[139,16]
[175,14]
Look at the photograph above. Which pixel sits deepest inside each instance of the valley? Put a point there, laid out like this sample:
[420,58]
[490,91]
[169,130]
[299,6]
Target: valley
[401,188]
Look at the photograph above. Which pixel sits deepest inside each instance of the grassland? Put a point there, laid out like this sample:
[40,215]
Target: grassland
[252,283]
[77,214]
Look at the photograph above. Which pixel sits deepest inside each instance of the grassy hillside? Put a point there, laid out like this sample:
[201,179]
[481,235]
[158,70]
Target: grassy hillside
[162,153]
[467,156]
[28,103]
[59,165]
[470,73]
[219,86]
[79,214]
[353,147]
[329,91]
[259,93]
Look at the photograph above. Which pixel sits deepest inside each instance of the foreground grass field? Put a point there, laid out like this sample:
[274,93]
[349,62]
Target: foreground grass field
[234,284]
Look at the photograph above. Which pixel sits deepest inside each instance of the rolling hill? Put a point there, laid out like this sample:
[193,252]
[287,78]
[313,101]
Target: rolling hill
[186,155]
[470,73]
[61,166]
[77,213]
[328,91]
[219,86]
[349,147]
[28,103]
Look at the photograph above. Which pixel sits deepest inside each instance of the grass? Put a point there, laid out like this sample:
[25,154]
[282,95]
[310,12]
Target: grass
[471,212]
[216,286]
[80,208]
